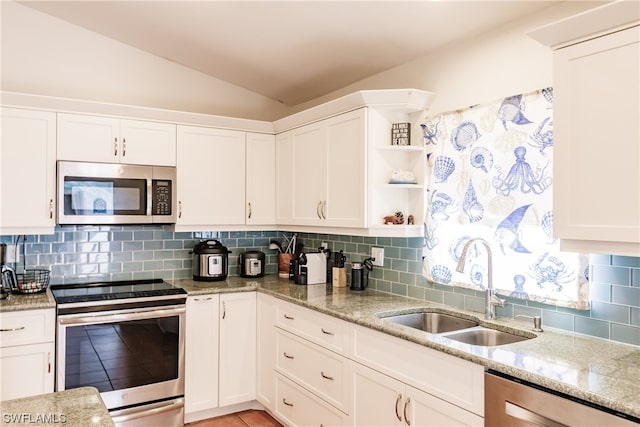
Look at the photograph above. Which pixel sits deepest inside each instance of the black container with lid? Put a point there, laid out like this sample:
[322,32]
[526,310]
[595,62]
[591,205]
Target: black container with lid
[210,261]
[251,264]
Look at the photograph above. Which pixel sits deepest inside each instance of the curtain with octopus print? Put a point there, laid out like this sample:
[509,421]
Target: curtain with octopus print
[489,176]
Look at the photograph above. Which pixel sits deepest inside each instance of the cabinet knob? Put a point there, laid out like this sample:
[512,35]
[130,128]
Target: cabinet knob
[288,356]
[324,331]
[179,209]
[286,403]
[249,203]
[50,208]
[124,147]
[286,316]
[115,147]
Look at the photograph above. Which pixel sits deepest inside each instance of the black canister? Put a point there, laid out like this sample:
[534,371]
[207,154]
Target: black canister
[357,282]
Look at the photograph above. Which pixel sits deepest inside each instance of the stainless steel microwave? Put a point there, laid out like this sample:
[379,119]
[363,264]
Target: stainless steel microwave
[106,193]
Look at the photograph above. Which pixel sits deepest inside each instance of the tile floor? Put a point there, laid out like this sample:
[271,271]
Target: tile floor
[250,418]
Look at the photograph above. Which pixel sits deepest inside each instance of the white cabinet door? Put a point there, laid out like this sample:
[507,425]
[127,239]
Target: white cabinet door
[110,140]
[596,144]
[237,348]
[284,178]
[27,172]
[88,138]
[261,179]
[308,181]
[328,182]
[377,400]
[211,178]
[26,370]
[148,143]
[345,158]
[423,409]
[201,353]
[266,363]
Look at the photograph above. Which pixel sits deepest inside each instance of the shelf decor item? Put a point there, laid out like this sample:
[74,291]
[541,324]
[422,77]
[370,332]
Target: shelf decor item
[401,134]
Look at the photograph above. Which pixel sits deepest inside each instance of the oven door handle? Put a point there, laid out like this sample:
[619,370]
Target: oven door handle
[133,414]
[135,315]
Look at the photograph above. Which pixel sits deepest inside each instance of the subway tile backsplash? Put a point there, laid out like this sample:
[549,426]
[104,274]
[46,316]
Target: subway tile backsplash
[82,254]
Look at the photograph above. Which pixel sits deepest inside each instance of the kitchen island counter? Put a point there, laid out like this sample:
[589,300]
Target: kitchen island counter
[79,407]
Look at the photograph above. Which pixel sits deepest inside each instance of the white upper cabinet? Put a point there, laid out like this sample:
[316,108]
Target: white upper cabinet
[326,181]
[112,140]
[27,172]
[211,178]
[261,179]
[284,178]
[596,129]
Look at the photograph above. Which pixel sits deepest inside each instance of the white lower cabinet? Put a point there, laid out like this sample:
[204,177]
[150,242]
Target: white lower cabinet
[220,352]
[380,400]
[237,348]
[296,406]
[27,352]
[201,354]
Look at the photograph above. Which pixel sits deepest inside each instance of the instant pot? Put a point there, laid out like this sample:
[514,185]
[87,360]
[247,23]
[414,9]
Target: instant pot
[252,264]
[210,261]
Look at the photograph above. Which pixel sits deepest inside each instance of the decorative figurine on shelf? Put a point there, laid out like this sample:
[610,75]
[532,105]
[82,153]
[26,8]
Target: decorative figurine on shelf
[397,218]
[410,220]
[399,176]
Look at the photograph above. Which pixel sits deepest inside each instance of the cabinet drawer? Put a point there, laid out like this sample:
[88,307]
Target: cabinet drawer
[454,380]
[321,371]
[27,327]
[297,407]
[324,330]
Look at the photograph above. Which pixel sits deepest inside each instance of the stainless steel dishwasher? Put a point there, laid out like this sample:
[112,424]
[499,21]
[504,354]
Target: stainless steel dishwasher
[511,402]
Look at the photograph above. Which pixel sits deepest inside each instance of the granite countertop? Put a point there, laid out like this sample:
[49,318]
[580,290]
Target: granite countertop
[16,302]
[78,407]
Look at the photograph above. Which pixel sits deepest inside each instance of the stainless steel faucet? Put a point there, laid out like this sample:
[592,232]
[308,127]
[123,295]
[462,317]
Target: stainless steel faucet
[491,299]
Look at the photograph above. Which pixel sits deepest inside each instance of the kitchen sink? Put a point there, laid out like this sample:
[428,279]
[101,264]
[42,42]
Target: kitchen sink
[487,337]
[434,323]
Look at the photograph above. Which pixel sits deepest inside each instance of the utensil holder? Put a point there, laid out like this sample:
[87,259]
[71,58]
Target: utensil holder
[284,260]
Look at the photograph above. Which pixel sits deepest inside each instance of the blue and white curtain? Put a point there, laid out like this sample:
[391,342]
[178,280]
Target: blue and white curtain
[489,176]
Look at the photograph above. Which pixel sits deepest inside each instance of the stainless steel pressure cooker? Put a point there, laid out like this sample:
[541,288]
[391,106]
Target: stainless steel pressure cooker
[252,264]
[210,261]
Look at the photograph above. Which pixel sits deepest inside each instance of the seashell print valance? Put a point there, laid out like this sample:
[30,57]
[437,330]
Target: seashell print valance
[490,176]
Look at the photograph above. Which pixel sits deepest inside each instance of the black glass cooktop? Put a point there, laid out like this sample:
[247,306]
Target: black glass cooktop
[104,291]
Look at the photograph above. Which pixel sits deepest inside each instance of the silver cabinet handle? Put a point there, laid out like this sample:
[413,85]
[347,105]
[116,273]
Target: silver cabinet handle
[531,417]
[179,209]
[249,203]
[124,147]
[19,328]
[326,376]
[203,299]
[50,208]
[48,362]
[398,401]
[404,411]
[286,316]
[318,209]
[115,147]
[323,209]
[224,309]
[288,356]
[326,332]
[286,403]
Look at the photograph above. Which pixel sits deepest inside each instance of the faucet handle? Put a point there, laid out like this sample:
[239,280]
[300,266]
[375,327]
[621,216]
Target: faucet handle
[537,322]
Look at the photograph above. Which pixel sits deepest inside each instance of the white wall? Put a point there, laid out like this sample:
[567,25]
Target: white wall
[500,63]
[44,55]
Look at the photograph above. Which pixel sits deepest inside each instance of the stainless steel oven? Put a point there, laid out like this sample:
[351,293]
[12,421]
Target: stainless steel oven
[127,340]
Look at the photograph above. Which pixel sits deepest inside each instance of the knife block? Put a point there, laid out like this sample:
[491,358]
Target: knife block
[339,277]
